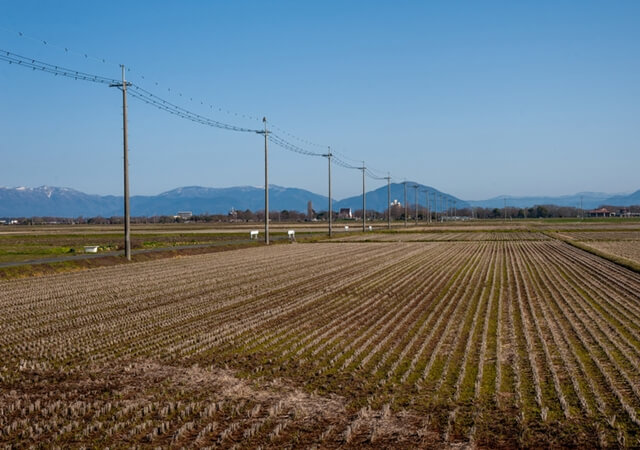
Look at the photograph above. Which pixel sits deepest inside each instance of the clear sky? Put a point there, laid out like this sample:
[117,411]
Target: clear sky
[477,99]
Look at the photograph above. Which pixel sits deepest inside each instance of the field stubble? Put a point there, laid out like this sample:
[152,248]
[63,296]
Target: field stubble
[495,343]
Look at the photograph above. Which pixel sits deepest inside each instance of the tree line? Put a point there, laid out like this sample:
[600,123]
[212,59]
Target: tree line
[397,213]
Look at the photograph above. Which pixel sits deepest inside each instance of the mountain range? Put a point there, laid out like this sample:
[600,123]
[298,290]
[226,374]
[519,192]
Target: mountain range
[66,202]
[588,200]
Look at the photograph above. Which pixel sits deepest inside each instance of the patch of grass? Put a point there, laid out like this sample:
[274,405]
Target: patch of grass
[18,253]
[30,270]
[17,248]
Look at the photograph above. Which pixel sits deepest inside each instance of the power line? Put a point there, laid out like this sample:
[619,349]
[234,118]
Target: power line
[34,64]
[279,141]
[299,139]
[372,169]
[372,172]
[136,91]
[166,105]
[343,164]
[151,99]
[69,51]
[373,176]
[162,104]
[66,49]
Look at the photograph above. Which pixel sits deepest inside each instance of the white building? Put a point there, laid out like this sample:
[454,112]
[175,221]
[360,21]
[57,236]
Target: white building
[184,215]
[345,213]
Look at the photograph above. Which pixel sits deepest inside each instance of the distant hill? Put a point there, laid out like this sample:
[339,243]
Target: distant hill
[377,199]
[624,200]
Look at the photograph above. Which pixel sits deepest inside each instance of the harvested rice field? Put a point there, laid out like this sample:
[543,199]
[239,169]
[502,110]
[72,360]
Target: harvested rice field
[488,343]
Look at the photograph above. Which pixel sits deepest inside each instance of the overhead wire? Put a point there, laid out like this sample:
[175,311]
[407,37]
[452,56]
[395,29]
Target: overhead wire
[134,90]
[276,139]
[336,154]
[130,70]
[343,164]
[164,105]
[49,43]
[372,172]
[34,64]
[149,98]
[374,176]
[299,139]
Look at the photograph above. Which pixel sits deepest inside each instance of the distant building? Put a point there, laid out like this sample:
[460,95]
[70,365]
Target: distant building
[601,212]
[345,213]
[310,211]
[626,212]
[184,215]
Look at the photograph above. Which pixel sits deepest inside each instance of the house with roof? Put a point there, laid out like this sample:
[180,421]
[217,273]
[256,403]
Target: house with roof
[600,212]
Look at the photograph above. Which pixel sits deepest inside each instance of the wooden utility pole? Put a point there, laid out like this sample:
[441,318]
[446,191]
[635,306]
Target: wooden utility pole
[435,207]
[266,182]
[388,177]
[364,199]
[446,208]
[428,207]
[127,213]
[415,186]
[427,211]
[405,203]
[328,156]
[505,209]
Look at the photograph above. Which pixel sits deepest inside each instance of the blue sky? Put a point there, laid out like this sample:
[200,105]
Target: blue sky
[477,99]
